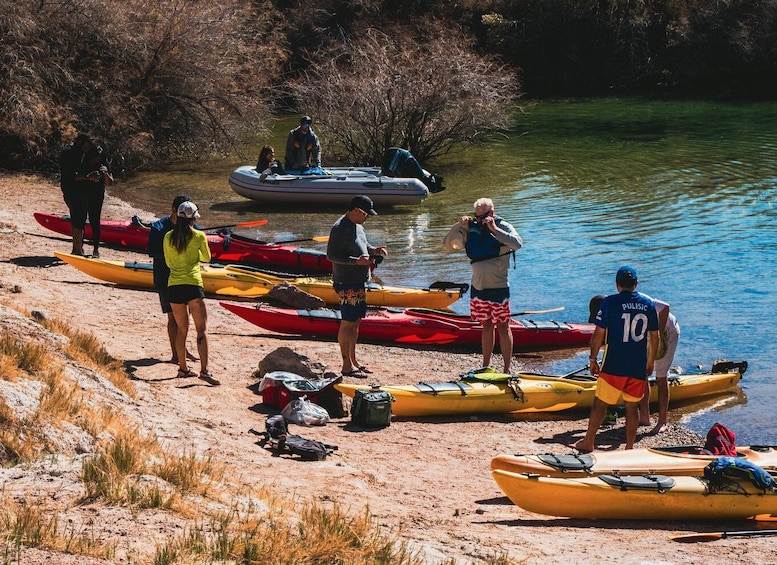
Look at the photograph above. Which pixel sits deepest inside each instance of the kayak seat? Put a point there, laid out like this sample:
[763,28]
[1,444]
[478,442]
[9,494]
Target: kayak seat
[322,313]
[303,251]
[545,325]
[571,462]
[437,388]
[659,483]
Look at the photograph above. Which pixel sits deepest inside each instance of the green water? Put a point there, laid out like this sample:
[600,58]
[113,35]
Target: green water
[682,190]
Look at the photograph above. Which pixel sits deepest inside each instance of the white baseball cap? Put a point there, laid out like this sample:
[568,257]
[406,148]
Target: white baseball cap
[188,210]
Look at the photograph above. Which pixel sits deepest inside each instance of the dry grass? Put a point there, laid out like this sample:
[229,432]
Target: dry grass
[24,437]
[85,348]
[115,473]
[186,471]
[229,520]
[26,524]
[21,356]
[316,535]
[133,468]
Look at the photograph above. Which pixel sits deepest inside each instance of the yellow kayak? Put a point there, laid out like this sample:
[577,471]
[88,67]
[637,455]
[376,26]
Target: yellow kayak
[245,282]
[681,387]
[477,397]
[672,460]
[493,393]
[650,497]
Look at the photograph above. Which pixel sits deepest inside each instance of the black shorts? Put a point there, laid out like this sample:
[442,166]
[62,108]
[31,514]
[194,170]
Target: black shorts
[184,293]
[164,299]
[77,204]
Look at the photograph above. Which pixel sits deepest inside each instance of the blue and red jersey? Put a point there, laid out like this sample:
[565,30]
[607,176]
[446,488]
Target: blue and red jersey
[628,317]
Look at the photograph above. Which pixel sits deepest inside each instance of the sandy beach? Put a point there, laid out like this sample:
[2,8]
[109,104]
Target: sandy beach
[428,477]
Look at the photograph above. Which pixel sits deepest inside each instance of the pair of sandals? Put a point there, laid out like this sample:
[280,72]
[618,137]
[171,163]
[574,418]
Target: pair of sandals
[204,375]
[360,373]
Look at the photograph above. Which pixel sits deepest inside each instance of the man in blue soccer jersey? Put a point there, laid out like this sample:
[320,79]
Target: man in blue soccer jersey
[628,324]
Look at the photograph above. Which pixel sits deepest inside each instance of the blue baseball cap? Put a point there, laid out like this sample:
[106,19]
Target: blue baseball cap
[626,275]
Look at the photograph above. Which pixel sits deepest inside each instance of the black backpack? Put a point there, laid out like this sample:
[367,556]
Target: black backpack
[281,441]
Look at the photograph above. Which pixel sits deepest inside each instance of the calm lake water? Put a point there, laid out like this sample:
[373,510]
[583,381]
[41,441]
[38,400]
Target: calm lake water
[683,191]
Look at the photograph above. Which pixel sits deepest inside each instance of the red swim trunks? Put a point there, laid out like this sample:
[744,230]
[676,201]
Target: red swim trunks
[611,389]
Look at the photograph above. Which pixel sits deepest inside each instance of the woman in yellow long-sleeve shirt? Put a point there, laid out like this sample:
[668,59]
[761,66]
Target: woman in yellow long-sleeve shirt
[184,248]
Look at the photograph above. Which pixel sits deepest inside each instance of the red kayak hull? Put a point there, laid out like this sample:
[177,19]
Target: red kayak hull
[413,326]
[224,248]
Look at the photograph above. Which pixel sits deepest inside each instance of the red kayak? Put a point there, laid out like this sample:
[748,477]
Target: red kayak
[225,247]
[413,326]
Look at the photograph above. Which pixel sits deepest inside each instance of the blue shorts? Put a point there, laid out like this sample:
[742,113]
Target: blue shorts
[353,300]
[184,293]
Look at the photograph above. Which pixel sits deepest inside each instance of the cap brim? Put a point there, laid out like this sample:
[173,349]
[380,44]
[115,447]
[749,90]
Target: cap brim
[372,212]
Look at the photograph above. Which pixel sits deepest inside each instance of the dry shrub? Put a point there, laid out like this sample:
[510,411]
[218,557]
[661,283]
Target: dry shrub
[316,535]
[121,472]
[21,355]
[186,472]
[112,473]
[425,94]
[85,348]
[60,400]
[153,78]
[26,523]
[10,449]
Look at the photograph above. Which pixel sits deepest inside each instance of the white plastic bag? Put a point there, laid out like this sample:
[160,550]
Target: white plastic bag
[302,411]
[274,378]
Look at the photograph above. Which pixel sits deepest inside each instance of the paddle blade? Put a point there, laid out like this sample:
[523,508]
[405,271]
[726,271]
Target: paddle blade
[533,312]
[764,518]
[321,238]
[240,225]
[693,538]
[251,224]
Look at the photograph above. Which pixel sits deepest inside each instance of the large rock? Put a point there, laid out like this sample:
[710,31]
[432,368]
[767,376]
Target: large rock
[285,359]
[294,297]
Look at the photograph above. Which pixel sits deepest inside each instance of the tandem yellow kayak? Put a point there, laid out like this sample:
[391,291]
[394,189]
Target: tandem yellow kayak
[647,497]
[669,460]
[493,393]
[246,282]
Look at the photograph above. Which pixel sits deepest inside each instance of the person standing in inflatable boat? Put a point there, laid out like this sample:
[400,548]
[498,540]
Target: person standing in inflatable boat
[488,241]
[303,150]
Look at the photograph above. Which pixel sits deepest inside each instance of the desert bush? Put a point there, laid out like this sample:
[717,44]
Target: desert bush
[25,355]
[26,523]
[425,96]
[86,348]
[155,79]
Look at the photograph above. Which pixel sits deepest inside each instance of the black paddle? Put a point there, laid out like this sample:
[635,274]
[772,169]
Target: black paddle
[693,538]
[573,373]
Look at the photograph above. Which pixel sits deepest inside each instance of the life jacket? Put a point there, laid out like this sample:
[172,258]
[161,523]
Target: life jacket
[303,138]
[481,243]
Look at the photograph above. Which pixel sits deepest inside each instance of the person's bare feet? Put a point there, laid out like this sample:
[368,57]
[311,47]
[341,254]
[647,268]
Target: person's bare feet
[583,447]
[189,356]
[659,429]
